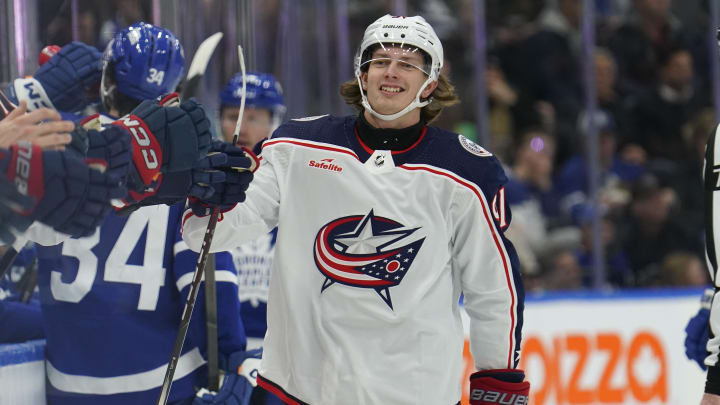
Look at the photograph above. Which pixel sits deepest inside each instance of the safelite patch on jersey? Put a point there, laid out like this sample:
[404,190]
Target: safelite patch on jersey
[472,147]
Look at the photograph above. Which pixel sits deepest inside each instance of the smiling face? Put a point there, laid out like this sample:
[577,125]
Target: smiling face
[391,82]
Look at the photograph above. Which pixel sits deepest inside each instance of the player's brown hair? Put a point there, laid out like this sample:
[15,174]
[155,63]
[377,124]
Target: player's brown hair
[443,96]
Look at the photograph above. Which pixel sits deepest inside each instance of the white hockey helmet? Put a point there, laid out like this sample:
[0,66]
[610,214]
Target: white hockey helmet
[404,32]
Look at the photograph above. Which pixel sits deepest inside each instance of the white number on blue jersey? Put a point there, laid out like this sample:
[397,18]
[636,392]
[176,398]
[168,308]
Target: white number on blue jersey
[150,275]
[75,290]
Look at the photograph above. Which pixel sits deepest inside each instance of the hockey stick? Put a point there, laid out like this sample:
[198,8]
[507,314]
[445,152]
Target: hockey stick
[7,259]
[199,270]
[199,64]
[197,69]
[28,282]
[211,325]
[6,106]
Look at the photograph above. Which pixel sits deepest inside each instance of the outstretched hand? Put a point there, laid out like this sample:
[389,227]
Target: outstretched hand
[43,127]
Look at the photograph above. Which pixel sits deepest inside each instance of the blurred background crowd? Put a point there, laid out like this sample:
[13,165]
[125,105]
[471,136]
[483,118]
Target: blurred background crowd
[653,64]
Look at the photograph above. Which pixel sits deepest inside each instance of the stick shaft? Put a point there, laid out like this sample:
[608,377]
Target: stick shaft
[187,311]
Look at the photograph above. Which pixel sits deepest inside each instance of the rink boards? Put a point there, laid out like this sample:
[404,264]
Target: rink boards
[578,348]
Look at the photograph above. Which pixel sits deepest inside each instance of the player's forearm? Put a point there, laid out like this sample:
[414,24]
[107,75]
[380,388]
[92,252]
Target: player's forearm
[247,221]
[231,230]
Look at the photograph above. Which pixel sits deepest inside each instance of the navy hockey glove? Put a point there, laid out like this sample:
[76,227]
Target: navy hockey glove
[67,82]
[110,149]
[12,203]
[79,143]
[697,331]
[198,182]
[72,197]
[239,174]
[164,140]
[505,386]
[238,382]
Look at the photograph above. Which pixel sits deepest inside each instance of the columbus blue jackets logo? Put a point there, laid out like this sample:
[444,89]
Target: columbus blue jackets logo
[366,251]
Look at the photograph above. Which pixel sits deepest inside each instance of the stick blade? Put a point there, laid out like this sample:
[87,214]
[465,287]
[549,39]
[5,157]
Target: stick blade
[199,65]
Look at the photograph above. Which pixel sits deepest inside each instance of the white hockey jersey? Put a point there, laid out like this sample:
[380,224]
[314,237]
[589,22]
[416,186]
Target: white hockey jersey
[374,249]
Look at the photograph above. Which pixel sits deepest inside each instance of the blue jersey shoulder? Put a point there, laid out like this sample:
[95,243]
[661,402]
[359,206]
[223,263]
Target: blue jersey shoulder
[464,158]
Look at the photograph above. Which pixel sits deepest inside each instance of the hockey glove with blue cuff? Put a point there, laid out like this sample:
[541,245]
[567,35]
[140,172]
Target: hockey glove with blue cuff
[697,331]
[238,170]
[67,82]
[71,197]
[237,383]
[504,386]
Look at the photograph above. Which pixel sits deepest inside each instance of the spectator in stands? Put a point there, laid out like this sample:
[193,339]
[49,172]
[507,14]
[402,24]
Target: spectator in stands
[616,100]
[651,231]
[502,98]
[682,269]
[661,113]
[553,51]
[572,187]
[561,272]
[528,193]
[651,31]
[617,269]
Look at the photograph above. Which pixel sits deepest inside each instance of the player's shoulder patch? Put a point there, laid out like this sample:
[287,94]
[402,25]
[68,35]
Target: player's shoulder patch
[313,118]
[472,147]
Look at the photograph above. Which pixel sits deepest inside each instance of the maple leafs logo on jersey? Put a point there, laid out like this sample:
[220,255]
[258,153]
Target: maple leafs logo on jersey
[365,251]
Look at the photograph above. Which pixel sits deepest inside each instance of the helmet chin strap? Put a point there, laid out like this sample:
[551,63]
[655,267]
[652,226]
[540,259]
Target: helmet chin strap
[389,117]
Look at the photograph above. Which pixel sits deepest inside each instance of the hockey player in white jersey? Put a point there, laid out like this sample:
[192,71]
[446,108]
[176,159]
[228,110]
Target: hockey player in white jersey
[112,300]
[383,223]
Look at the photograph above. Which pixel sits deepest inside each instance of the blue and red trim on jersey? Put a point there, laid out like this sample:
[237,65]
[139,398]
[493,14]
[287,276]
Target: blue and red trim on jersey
[278,391]
[308,144]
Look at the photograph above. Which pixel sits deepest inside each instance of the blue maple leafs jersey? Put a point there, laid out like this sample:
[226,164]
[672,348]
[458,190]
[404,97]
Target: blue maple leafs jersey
[374,249]
[20,315]
[253,261]
[112,304]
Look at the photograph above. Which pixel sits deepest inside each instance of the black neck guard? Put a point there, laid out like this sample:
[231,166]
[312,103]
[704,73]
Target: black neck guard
[388,138]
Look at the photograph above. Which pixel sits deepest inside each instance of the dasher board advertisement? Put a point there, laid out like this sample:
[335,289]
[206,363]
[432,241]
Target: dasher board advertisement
[620,348]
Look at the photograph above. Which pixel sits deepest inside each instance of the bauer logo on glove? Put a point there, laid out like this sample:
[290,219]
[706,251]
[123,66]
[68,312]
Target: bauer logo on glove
[503,386]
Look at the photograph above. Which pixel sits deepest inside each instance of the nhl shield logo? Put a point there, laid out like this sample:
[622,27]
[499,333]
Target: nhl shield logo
[365,251]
